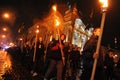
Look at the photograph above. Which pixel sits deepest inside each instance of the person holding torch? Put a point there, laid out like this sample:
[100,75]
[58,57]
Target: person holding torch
[56,59]
[56,55]
[88,56]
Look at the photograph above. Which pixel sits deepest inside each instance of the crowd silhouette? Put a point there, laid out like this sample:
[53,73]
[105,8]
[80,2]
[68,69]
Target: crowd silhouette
[71,64]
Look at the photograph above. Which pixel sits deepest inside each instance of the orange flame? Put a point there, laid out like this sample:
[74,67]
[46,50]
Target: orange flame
[104,3]
[37,31]
[57,23]
[6,15]
[54,8]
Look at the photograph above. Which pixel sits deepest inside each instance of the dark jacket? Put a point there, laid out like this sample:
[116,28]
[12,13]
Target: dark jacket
[88,51]
[39,50]
[53,51]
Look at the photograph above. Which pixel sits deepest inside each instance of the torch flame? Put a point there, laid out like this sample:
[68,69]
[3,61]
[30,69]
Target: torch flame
[104,3]
[37,31]
[57,22]
[54,8]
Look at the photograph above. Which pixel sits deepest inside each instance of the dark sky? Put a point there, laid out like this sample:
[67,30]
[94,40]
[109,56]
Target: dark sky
[26,11]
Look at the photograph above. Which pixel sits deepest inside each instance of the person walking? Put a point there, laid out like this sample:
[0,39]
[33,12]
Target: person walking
[39,61]
[56,58]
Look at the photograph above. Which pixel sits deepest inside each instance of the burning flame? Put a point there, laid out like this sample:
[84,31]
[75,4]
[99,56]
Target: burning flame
[37,31]
[57,23]
[104,3]
[54,8]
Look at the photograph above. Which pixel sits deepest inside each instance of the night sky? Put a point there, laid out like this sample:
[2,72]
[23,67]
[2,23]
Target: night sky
[27,11]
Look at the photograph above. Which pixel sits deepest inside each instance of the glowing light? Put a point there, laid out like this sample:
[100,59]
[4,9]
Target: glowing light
[104,3]
[54,8]
[11,44]
[4,29]
[20,39]
[37,31]
[116,55]
[57,23]
[6,15]
[5,63]
[37,26]
[3,36]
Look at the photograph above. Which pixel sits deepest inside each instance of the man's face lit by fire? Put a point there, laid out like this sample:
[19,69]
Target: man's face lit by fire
[97,32]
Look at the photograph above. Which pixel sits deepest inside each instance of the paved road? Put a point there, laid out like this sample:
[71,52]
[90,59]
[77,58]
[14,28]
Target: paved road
[5,62]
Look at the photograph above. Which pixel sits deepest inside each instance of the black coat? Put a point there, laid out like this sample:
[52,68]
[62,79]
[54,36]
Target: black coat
[54,54]
[88,51]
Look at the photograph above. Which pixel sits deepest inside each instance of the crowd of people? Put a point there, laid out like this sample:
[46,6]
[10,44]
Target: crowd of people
[65,61]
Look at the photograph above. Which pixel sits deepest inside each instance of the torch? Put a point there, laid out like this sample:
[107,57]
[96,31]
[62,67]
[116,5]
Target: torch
[37,31]
[57,23]
[104,9]
[62,54]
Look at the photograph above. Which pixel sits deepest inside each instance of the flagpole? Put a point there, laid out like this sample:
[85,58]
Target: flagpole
[99,41]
